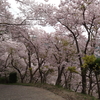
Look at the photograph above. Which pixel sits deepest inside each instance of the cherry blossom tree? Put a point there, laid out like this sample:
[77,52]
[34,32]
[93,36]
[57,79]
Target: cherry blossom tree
[77,17]
[37,50]
[39,53]
[15,58]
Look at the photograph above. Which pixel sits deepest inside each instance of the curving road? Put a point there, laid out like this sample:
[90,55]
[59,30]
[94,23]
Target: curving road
[14,92]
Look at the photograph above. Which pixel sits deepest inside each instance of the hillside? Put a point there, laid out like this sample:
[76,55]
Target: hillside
[68,95]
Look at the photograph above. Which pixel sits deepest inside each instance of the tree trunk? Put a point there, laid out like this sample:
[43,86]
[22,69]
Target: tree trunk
[30,68]
[83,73]
[66,81]
[60,72]
[41,76]
[98,84]
[90,82]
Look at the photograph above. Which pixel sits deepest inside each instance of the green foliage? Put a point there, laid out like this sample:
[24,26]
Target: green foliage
[96,66]
[51,70]
[64,42]
[13,77]
[91,62]
[88,60]
[72,69]
[30,68]
[82,6]
[46,66]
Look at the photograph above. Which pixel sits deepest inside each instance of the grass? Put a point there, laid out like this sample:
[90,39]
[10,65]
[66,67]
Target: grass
[66,94]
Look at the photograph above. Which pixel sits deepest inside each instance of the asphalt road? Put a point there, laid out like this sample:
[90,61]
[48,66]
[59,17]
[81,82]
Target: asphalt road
[14,92]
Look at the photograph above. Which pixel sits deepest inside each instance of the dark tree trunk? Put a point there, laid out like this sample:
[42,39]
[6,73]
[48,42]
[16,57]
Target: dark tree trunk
[66,81]
[30,68]
[60,72]
[98,84]
[90,82]
[83,73]
[41,76]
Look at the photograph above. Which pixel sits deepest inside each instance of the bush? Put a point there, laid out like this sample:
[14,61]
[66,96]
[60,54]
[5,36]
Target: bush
[3,80]
[13,77]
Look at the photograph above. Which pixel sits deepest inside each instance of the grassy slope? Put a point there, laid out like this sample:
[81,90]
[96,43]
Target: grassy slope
[68,95]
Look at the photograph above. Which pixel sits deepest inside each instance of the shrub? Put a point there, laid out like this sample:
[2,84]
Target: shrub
[3,80]
[13,77]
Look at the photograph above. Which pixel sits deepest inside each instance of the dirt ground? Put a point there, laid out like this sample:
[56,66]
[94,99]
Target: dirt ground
[16,92]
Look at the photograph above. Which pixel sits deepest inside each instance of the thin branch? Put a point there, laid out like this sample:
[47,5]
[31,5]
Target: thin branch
[10,24]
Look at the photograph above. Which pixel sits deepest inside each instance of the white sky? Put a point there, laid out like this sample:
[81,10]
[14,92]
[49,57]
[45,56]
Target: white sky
[14,6]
